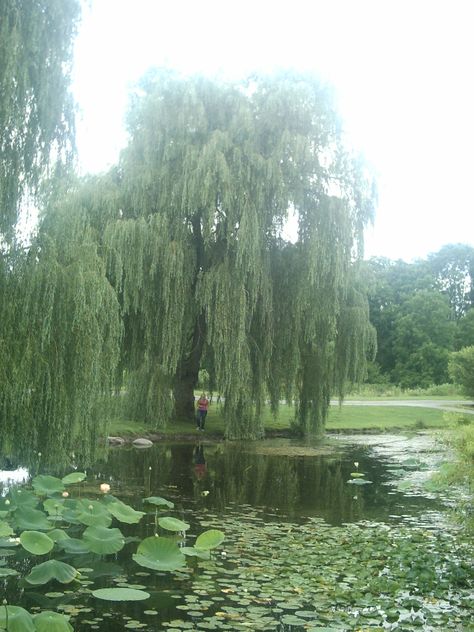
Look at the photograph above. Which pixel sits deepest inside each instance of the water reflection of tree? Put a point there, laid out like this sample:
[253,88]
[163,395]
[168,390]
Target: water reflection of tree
[132,471]
[292,485]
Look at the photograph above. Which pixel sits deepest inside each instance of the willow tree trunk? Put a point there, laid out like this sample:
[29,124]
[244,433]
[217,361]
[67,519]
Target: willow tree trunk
[187,375]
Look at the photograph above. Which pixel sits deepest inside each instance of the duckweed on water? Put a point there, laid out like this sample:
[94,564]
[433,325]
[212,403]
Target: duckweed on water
[269,576]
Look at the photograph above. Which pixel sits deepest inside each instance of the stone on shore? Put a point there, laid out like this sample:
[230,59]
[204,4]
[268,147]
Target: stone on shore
[142,443]
[115,440]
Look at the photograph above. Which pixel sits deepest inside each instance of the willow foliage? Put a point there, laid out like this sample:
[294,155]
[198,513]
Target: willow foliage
[205,187]
[36,111]
[61,336]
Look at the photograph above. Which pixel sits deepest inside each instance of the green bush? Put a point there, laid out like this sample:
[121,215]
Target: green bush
[461,369]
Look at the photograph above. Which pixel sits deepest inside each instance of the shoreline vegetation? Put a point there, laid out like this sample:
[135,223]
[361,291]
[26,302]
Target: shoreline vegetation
[360,418]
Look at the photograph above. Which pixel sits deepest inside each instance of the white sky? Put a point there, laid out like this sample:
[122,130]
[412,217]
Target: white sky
[402,71]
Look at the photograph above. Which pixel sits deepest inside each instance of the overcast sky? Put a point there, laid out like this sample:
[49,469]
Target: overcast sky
[402,71]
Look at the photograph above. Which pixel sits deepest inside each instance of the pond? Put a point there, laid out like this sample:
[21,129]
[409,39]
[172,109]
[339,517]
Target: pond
[348,534]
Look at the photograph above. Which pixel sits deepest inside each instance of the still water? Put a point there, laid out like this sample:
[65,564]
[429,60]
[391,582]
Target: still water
[288,479]
[258,494]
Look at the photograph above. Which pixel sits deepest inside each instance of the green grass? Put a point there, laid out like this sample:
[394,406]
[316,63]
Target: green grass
[384,418]
[345,418]
[390,391]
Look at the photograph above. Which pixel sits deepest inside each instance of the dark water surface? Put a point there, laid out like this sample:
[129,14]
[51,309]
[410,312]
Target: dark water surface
[223,485]
[286,479]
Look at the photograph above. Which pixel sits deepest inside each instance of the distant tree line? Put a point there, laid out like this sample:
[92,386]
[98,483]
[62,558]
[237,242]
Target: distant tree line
[424,317]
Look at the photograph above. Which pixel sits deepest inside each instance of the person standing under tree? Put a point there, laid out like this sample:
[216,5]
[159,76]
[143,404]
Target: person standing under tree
[202,407]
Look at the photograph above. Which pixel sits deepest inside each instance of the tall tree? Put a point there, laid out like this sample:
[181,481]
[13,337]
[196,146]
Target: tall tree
[453,268]
[59,318]
[61,332]
[461,369]
[36,107]
[423,338]
[206,186]
[391,284]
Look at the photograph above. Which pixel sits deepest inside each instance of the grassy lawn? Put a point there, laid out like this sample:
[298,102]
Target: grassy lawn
[346,418]
[384,417]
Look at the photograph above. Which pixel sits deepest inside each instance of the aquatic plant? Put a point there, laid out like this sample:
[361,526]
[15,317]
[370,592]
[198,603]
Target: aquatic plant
[48,521]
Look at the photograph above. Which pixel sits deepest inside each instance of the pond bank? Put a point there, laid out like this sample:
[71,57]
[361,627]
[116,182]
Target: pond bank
[354,418]
[157,437]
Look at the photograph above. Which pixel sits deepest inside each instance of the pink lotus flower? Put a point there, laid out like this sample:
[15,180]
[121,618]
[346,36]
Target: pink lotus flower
[104,488]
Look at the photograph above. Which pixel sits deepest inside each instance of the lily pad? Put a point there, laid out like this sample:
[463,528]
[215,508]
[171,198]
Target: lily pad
[5,529]
[52,569]
[36,542]
[103,541]
[120,594]
[190,551]
[93,513]
[46,485]
[209,539]
[48,621]
[58,535]
[159,501]
[8,572]
[22,498]
[173,524]
[54,506]
[27,518]
[161,554]
[74,546]
[124,513]
[19,619]
[74,477]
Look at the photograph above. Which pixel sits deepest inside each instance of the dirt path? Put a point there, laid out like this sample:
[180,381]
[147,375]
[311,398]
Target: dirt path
[451,405]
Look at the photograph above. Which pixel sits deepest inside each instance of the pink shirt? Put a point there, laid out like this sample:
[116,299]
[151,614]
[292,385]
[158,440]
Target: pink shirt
[203,403]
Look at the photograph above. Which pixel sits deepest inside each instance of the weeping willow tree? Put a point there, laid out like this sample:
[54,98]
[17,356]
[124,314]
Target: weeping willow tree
[60,326]
[62,332]
[36,107]
[196,253]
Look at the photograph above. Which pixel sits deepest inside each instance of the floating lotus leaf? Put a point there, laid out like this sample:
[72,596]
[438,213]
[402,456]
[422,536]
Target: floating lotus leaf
[74,477]
[36,542]
[93,513]
[54,506]
[7,572]
[27,519]
[52,569]
[209,539]
[103,541]
[71,511]
[5,529]
[75,546]
[19,619]
[58,535]
[124,513]
[22,498]
[173,524]
[52,622]
[357,474]
[120,594]
[161,554]
[159,501]
[190,551]
[46,485]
